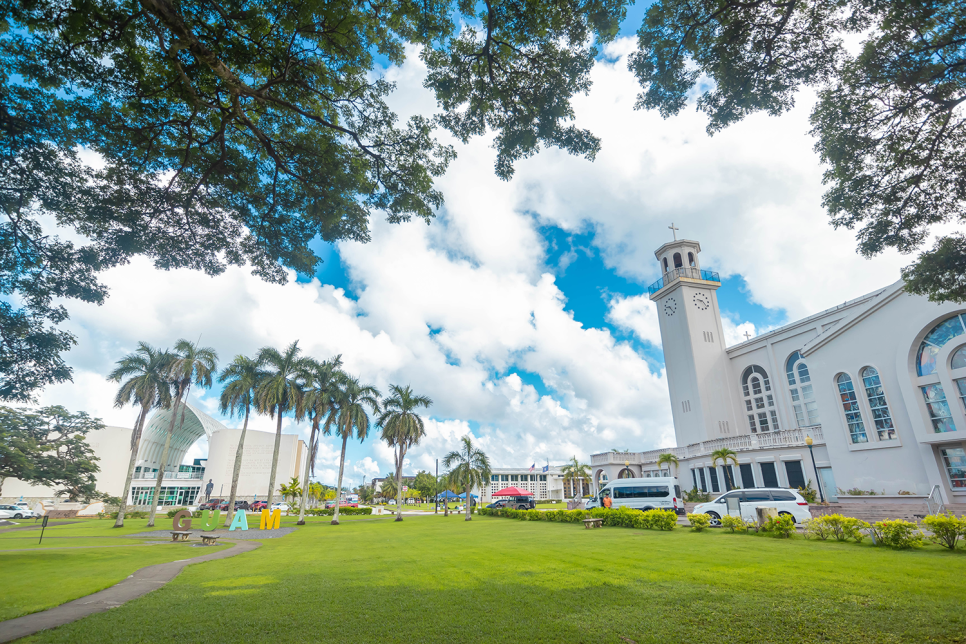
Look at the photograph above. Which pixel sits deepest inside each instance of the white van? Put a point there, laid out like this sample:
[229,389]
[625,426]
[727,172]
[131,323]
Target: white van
[662,493]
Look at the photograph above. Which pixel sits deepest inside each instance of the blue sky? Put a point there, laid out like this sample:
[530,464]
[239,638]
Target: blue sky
[522,310]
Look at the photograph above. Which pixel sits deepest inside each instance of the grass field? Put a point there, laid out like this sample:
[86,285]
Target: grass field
[498,580]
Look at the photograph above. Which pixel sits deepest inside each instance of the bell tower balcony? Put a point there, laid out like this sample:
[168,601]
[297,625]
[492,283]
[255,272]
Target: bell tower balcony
[683,274]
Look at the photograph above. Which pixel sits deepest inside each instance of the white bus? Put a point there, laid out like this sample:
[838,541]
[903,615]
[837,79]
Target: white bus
[662,493]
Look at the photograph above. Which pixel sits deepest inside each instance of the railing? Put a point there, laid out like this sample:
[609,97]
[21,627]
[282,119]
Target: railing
[788,437]
[934,502]
[616,458]
[677,273]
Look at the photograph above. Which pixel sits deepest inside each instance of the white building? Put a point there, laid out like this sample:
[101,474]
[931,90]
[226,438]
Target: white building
[544,485]
[878,383]
[183,484]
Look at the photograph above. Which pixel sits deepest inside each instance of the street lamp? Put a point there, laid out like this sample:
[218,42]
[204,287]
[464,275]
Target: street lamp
[818,482]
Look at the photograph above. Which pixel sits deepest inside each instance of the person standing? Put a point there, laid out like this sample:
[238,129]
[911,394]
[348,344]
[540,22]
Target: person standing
[208,489]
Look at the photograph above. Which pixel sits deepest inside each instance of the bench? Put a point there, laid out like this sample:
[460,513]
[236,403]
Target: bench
[593,523]
[181,535]
[209,539]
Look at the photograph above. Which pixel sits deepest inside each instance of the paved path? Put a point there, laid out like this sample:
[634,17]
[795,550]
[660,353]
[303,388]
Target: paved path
[140,583]
[254,533]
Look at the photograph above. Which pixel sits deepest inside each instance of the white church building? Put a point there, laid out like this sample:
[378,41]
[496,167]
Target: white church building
[877,383]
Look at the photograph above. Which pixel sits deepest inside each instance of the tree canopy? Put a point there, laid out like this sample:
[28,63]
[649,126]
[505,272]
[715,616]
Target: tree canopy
[48,446]
[236,132]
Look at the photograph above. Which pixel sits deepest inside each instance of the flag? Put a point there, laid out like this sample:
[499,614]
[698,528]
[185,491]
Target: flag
[532,467]
[546,467]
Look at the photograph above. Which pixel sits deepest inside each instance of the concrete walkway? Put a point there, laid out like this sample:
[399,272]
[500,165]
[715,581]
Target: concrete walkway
[140,583]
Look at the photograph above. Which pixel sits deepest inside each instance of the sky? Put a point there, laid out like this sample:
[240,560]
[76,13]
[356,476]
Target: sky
[522,309]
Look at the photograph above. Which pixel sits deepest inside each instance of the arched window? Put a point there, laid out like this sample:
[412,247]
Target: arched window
[759,403]
[690,259]
[665,265]
[877,403]
[853,415]
[934,341]
[938,408]
[677,260]
[800,387]
[959,359]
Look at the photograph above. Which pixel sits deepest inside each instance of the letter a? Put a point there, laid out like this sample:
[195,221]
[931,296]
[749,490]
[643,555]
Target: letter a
[240,521]
[270,522]
[208,523]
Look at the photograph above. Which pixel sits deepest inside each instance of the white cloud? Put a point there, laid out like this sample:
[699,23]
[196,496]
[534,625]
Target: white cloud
[638,314]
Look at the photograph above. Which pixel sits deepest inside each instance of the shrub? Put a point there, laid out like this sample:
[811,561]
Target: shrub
[946,529]
[174,511]
[841,527]
[533,515]
[328,512]
[659,519]
[783,525]
[897,534]
[699,521]
[696,496]
[737,524]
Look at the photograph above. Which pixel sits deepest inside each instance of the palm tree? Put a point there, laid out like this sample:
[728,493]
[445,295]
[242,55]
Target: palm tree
[290,490]
[574,471]
[388,488]
[724,455]
[242,377]
[190,364]
[402,428]
[349,418]
[279,392]
[667,458]
[146,386]
[470,468]
[365,494]
[316,403]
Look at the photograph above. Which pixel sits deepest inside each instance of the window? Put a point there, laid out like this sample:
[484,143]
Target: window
[934,341]
[514,477]
[690,259]
[704,485]
[959,359]
[543,477]
[504,477]
[853,415]
[713,475]
[877,402]
[769,475]
[778,495]
[642,492]
[796,476]
[677,260]
[666,269]
[755,387]
[938,408]
[730,478]
[800,387]
[961,385]
[757,496]
[694,477]
[747,475]
[954,458]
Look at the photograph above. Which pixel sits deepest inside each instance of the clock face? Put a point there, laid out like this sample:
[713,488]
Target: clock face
[670,306]
[702,301]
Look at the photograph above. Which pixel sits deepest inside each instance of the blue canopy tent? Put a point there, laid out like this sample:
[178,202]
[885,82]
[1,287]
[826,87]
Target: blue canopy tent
[447,495]
[463,496]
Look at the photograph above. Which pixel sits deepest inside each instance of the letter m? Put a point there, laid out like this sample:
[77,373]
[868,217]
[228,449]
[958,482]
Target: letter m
[270,522]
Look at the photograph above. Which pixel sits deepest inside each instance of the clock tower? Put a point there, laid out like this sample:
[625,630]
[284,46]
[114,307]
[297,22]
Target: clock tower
[698,374]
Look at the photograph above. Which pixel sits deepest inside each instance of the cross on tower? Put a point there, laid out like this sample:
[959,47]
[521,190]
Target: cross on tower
[674,231]
[747,336]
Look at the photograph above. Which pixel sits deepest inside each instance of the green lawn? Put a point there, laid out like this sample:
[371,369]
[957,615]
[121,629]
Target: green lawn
[499,580]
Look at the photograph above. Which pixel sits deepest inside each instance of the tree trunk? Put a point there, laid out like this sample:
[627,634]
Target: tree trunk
[236,472]
[164,458]
[338,488]
[308,462]
[278,443]
[135,447]
[399,466]
[469,517]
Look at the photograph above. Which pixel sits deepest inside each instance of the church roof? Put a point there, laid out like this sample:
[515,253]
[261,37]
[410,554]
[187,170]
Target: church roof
[877,301]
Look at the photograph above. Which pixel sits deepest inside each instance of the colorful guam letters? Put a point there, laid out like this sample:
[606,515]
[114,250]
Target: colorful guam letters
[270,521]
[239,521]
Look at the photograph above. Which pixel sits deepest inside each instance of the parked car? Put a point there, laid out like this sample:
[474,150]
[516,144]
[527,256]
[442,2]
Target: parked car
[657,493]
[785,501]
[517,503]
[213,504]
[242,505]
[496,505]
[18,512]
[258,506]
[6,514]
[284,507]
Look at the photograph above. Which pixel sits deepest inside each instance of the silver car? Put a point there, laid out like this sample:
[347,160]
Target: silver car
[16,512]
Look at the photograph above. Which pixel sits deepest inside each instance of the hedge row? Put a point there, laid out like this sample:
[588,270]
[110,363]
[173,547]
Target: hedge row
[328,512]
[617,517]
